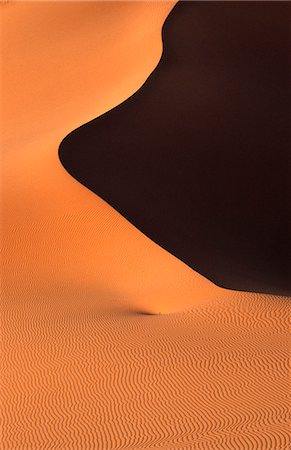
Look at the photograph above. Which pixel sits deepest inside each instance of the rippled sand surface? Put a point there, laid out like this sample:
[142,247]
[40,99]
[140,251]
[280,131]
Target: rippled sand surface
[109,378]
[108,341]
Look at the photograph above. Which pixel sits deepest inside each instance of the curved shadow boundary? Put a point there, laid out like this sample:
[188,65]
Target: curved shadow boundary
[197,158]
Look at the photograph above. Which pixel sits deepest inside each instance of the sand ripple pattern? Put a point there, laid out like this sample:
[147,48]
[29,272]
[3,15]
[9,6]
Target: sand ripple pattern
[208,378]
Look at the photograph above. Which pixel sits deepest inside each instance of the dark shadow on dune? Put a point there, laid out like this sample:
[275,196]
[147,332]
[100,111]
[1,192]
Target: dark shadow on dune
[147,313]
[197,159]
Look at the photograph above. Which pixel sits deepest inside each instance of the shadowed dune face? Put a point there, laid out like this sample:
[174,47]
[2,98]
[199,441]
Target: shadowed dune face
[197,159]
[87,361]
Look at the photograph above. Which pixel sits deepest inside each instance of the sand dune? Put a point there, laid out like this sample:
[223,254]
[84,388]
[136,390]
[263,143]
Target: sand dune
[86,360]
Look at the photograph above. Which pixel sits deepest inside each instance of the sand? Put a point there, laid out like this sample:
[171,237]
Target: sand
[107,340]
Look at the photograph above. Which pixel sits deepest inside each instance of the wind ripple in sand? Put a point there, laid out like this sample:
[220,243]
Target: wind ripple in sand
[214,377]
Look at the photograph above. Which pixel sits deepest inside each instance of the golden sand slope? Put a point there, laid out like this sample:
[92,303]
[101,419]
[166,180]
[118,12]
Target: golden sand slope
[60,72]
[83,365]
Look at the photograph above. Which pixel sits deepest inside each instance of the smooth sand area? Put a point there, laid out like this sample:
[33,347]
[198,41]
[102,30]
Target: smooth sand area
[88,361]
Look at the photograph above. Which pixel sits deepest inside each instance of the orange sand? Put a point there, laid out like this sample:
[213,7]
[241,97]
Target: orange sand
[85,364]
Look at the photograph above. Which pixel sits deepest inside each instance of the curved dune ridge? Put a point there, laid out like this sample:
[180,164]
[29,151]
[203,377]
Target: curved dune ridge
[107,340]
[197,158]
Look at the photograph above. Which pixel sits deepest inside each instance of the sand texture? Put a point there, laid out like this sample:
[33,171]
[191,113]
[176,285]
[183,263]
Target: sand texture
[107,340]
[210,377]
